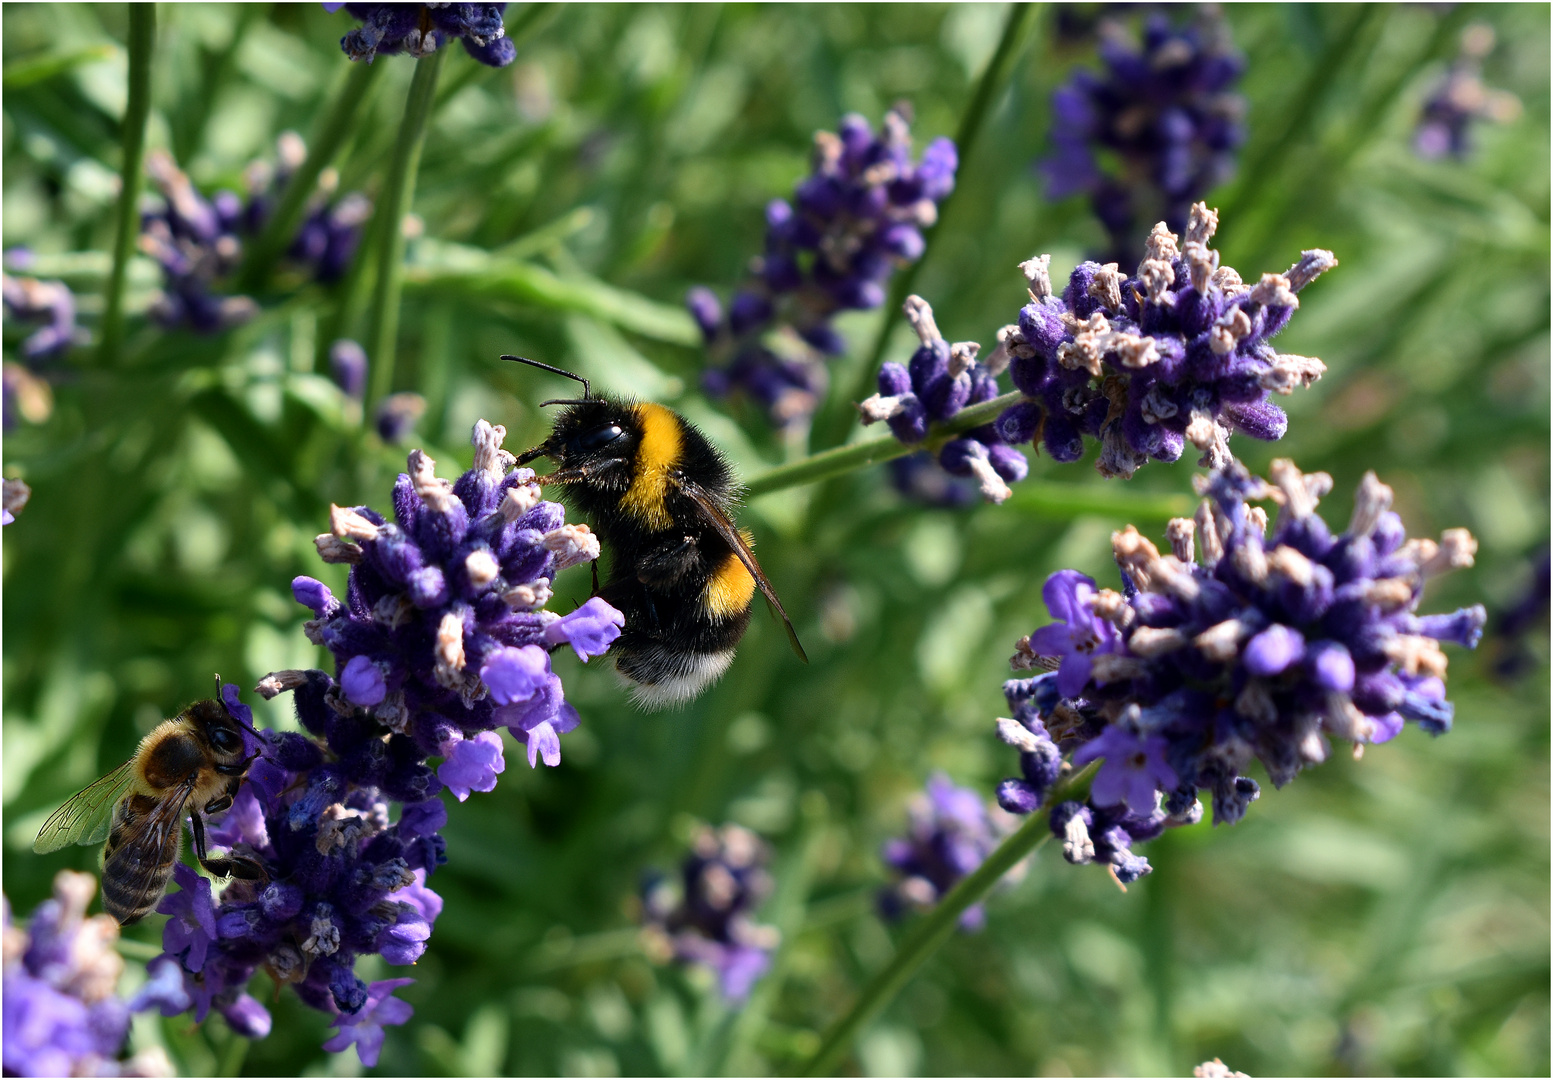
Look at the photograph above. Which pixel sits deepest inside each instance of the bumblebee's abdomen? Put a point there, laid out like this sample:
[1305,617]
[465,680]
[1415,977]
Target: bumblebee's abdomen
[729,589]
[135,876]
[672,648]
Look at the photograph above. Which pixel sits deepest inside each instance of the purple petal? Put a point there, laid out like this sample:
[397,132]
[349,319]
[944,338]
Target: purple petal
[1074,674]
[1064,593]
[516,674]
[362,682]
[589,630]
[1273,650]
[1331,665]
[472,765]
[542,741]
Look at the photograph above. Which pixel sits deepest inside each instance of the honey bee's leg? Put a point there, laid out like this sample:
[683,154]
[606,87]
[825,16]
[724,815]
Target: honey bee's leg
[232,865]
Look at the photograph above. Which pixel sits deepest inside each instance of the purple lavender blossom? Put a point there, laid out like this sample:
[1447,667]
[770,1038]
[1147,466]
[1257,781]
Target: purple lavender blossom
[50,302]
[348,365]
[1078,635]
[939,381]
[1166,112]
[706,920]
[421,29]
[1461,100]
[471,764]
[365,1027]
[438,604]
[852,222]
[198,242]
[61,1014]
[1177,354]
[950,836]
[1268,647]
[445,609]
[397,415]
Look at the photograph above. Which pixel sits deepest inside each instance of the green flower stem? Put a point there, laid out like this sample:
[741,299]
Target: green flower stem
[324,143]
[232,1055]
[828,463]
[935,928]
[837,420]
[1053,501]
[398,191]
[142,43]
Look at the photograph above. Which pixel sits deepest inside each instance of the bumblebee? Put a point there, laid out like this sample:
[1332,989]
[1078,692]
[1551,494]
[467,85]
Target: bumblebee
[660,496]
[191,763]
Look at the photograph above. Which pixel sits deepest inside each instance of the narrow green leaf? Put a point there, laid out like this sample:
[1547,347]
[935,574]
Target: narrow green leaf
[23,73]
[525,283]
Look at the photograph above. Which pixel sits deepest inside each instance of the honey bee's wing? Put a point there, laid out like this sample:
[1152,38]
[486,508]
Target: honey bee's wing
[87,815]
[149,844]
[714,516]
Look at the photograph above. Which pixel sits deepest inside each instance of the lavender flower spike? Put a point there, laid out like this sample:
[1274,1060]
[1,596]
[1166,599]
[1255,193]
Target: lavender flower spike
[198,241]
[1461,99]
[1270,645]
[421,29]
[442,639]
[50,301]
[706,920]
[61,1014]
[1177,353]
[851,223]
[951,834]
[1167,112]
[939,381]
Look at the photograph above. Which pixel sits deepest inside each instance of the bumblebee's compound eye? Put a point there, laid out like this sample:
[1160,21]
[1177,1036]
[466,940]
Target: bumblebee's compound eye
[599,436]
[225,740]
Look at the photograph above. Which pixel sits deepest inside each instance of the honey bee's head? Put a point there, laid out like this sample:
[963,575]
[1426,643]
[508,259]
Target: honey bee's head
[217,730]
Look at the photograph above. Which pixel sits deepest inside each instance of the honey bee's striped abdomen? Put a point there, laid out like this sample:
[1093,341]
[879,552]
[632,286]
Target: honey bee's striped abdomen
[658,453]
[134,876]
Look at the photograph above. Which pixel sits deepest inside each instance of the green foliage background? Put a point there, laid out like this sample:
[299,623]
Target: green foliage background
[1382,916]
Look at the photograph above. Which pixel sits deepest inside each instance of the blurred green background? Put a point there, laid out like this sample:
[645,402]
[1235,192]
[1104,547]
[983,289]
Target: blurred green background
[1376,917]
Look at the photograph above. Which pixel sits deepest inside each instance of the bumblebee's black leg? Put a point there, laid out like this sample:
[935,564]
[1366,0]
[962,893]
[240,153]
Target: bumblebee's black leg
[231,866]
[670,563]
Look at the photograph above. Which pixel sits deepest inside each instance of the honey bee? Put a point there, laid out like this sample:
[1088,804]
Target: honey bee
[191,763]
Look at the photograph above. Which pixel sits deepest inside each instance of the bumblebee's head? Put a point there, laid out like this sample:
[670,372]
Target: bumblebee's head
[598,435]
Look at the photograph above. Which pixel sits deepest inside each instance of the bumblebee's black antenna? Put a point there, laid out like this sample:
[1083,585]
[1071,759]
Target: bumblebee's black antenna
[587,391]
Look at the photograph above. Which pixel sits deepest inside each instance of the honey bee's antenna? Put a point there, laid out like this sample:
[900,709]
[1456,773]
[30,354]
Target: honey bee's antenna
[587,391]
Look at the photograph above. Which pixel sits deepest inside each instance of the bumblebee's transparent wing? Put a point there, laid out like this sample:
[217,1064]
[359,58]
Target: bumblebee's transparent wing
[728,531]
[88,815]
[148,849]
